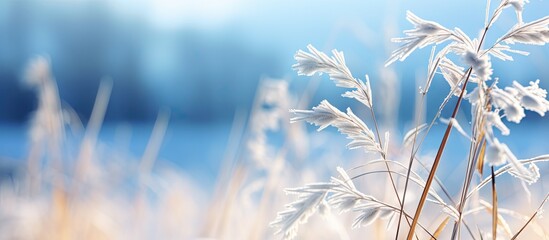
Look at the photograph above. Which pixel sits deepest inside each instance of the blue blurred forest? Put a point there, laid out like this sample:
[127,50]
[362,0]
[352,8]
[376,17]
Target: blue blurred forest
[204,59]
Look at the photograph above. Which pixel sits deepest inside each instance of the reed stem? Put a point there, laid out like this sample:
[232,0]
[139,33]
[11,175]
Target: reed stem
[437,160]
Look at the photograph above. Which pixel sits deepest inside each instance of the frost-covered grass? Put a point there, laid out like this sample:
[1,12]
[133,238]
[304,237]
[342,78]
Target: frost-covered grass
[74,186]
[471,80]
[273,180]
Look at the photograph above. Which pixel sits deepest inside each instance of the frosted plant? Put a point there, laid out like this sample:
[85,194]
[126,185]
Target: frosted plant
[317,62]
[102,192]
[270,106]
[47,124]
[348,123]
[489,105]
[60,198]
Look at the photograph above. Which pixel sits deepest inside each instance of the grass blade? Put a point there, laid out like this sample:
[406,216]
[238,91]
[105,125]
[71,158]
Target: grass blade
[440,228]
[480,161]
[500,220]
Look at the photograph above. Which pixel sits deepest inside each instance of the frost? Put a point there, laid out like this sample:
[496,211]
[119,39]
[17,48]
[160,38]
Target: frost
[509,104]
[481,65]
[535,32]
[532,97]
[424,33]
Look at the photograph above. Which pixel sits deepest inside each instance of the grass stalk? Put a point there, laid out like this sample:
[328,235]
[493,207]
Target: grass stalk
[412,156]
[494,206]
[471,164]
[532,217]
[400,202]
[436,162]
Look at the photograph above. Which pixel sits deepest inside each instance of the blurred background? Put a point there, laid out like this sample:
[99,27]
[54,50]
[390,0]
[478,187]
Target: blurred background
[203,60]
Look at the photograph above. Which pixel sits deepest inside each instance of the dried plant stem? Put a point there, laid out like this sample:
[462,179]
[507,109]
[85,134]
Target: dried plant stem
[494,206]
[412,156]
[226,177]
[506,169]
[376,127]
[437,160]
[532,217]
[401,202]
[447,194]
[474,153]
[155,141]
[218,216]
[414,152]
[440,228]
[85,155]
[473,150]
[266,201]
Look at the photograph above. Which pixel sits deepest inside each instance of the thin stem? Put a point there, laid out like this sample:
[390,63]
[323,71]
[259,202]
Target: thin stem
[531,218]
[494,206]
[447,194]
[474,155]
[419,183]
[401,202]
[414,152]
[504,169]
[437,159]
[412,156]
[469,173]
